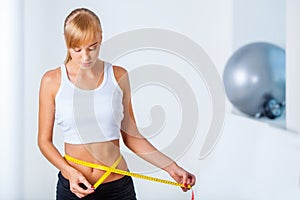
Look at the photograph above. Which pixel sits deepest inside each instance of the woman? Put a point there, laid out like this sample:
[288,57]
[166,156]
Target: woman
[92,135]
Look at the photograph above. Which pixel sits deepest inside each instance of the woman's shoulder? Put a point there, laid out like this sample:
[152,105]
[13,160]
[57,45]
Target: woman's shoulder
[119,72]
[52,75]
[51,79]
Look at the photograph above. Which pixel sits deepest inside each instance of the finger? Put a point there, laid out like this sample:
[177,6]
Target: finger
[79,191]
[84,191]
[87,185]
[79,195]
[184,182]
[192,180]
[184,178]
[184,189]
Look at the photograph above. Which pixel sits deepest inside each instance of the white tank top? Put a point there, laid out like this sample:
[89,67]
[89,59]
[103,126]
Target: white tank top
[88,116]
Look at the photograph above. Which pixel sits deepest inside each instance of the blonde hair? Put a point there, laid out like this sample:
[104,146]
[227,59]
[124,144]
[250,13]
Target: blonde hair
[81,26]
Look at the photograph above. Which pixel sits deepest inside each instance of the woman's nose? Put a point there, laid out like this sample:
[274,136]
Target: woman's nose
[86,55]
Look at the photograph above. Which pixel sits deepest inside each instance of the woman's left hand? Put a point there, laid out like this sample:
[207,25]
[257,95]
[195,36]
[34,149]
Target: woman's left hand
[182,176]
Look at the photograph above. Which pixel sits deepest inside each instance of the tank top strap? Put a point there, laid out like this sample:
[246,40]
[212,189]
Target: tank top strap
[63,71]
[111,74]
[108,69]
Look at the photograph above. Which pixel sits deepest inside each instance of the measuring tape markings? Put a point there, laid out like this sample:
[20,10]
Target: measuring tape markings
[126,173]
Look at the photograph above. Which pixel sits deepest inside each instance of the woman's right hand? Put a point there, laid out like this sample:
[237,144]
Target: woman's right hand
[78,184]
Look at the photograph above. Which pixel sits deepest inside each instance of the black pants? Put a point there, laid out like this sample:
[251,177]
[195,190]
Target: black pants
[122,189]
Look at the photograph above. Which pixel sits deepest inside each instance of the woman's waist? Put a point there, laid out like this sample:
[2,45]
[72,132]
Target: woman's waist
[93,175]
[84,158]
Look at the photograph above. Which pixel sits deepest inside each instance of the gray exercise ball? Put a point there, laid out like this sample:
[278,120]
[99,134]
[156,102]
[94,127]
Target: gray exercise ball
[254,79]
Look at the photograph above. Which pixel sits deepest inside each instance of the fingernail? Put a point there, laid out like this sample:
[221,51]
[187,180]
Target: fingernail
[185,184]
[92,187]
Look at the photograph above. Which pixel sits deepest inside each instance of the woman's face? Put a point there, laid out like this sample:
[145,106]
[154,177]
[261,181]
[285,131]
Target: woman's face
[86,55]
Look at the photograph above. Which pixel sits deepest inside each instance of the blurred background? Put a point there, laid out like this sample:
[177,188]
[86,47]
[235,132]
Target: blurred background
[254,159]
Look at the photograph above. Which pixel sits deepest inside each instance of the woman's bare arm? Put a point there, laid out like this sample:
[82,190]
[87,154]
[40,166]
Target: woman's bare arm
[48,89]
[139,144]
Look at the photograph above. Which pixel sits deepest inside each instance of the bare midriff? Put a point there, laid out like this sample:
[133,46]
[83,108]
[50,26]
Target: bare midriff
[102,153]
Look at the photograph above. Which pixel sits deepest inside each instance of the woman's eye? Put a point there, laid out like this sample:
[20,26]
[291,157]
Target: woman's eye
[92,48]
[77,50]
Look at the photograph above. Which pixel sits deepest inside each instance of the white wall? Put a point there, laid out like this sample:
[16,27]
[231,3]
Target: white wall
[11,105]
[206,22]
[258,21]
[292,65]
[252,161]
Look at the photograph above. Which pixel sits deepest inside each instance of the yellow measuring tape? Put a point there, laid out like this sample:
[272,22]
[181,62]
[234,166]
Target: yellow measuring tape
[113,169]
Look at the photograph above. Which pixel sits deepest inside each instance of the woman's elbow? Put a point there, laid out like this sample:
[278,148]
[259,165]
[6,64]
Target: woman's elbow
[43,142]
